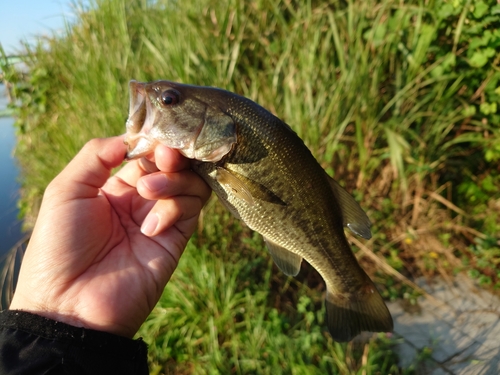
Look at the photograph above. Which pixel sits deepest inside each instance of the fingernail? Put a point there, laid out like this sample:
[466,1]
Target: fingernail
[150,223]
[155,182]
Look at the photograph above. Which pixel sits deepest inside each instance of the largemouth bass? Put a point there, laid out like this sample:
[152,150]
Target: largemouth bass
[265,175]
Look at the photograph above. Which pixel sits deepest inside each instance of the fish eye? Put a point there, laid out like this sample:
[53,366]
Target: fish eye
[170,97]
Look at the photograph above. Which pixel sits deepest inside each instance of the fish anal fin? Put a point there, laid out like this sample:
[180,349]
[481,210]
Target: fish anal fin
[245,188]
[349,314]
[287,262]
[353,215]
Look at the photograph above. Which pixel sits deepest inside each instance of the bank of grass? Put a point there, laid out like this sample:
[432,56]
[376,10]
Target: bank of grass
[227,313]
[396,100]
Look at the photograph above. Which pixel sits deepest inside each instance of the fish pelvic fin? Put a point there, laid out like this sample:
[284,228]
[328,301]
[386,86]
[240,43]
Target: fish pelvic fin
[288,262]
[348,314]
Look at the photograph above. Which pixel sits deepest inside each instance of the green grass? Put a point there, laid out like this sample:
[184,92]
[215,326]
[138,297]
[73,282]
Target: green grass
[228,312]
[398,101]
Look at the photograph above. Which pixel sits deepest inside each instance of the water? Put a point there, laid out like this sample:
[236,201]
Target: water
[10,226]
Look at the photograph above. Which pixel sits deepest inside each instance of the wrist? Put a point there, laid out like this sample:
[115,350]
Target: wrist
[74,315]
[28,305]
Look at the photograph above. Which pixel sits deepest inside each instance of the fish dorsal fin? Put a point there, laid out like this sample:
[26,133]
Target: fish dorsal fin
[245,188]
[353,215]
[286,261]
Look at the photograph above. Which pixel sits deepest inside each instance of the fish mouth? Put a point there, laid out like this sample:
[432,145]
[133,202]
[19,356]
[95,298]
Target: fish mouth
[137,138]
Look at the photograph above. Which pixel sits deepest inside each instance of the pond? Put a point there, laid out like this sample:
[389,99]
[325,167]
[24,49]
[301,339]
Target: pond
[10,225]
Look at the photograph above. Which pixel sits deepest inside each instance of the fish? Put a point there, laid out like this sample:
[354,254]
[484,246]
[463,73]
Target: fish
[265,175]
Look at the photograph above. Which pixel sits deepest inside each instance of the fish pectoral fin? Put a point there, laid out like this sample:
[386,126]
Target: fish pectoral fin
[238,187]
[287,262]
[245,188]
[353,215]
[348,314]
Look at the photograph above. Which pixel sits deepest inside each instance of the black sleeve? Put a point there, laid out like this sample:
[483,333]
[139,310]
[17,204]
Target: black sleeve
[31,344]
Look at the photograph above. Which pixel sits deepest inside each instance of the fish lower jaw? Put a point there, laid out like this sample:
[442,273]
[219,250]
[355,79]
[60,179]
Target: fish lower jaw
[138,145]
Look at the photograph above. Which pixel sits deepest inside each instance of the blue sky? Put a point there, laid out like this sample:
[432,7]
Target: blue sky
[21,19]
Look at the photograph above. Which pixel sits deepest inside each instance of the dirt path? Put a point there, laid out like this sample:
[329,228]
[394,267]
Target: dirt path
[456,332]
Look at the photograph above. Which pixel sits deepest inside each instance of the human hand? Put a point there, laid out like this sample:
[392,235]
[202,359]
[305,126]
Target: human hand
[88,263]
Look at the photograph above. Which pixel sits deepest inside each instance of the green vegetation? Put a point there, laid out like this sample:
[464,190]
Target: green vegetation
[399,101]
[227,310]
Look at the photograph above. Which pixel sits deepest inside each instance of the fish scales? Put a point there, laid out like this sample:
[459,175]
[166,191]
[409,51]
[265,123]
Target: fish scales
[293,173]
[265,175]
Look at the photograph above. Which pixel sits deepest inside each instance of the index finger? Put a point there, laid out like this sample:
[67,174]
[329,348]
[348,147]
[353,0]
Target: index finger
[164,159]
[170,160]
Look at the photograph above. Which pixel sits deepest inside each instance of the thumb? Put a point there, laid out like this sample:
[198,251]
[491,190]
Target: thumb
[89,169]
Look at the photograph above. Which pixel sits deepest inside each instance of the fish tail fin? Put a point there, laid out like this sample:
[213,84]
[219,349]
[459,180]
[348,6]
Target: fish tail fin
[347,314]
